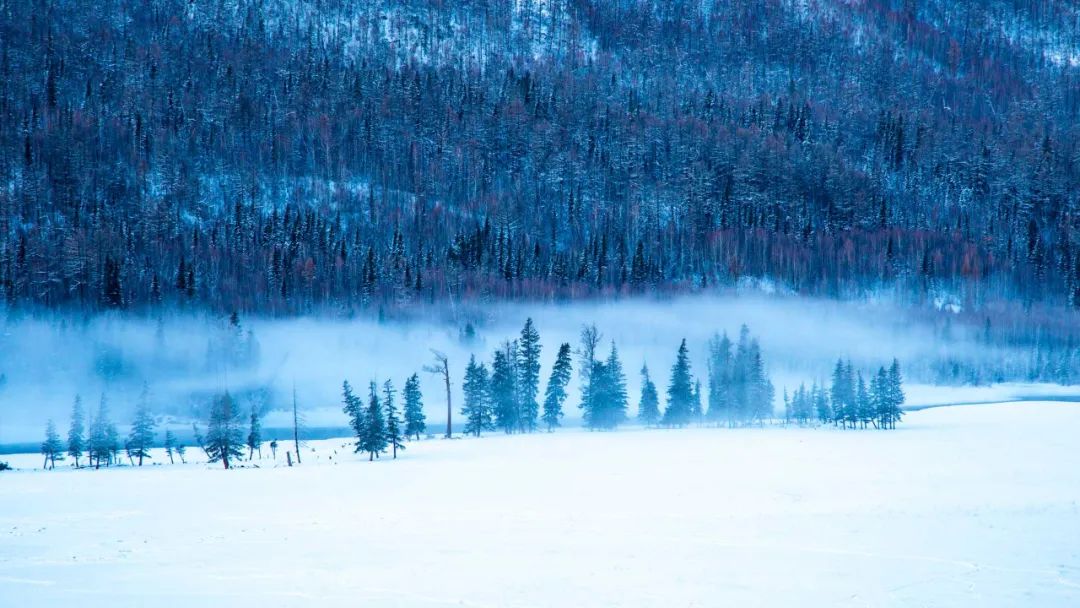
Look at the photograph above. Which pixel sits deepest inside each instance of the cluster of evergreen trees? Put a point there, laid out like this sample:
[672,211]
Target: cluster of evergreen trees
[377,424]
[259,154]
[505,396]
[850,402]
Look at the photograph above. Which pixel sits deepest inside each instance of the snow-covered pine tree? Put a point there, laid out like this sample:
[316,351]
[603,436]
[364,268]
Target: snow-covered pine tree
[393,421]
[720,376]
[224,437]
[864,404]
[695,403]
[170,445]
[504,389]
[141,438]
[180,451]
[587,369]
[254,438]
[895,390]
[477,408]
[101,441]
[76,432]
[374,439]
[555,392]
[760,389]
[840,392]
[357,413]
[649,404]
[822,408]
[680,390]
[615,401]
[415,421]
[52,448]
[529,375]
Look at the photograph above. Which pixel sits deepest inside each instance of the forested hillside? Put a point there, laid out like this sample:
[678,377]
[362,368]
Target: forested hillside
[283,156]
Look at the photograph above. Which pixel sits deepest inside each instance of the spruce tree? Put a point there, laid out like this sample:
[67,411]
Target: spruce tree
[393,422]
[180,451]
[357,414]
[374,438]
[864,404]
[141,438]
[555,393]
[477,409]
[504,389]
[587,371]
[695,403]
[529,375]
[680,390]
[821,404]
[102,435]
[895,391]
[649,404]
[720,376]
[52,448]
[224,437]
[76,433]
[170,445]
[614,402]
[254,438]
[415,421]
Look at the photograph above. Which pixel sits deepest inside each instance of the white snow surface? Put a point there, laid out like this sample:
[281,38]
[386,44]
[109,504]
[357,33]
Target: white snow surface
[961,506]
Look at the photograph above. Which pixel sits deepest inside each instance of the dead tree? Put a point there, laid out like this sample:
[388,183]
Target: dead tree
[442,367]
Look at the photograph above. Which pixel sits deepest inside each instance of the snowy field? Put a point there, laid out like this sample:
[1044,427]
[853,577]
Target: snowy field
[963,506]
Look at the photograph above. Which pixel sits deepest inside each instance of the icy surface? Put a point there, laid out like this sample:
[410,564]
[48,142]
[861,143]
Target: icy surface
[963,506]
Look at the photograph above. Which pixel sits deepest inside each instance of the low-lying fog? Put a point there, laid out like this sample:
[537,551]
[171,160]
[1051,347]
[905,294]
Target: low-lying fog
[184,359]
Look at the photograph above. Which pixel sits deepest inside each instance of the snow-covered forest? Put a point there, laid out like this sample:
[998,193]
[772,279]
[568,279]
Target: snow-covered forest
[296,155]
[540,303]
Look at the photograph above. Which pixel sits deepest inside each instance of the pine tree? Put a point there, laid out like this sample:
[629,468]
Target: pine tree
[76,439]
[649,404]
[680,390]
[864,404]
[613,402]
[504,388]
[821,404]
[52,448]
[357,414]
[170,445]
[895,391]
[393,422]
[529,375]
[102,436]
[695,403]
[555,393]
[587,371]
[720,378]
[141,438]
[180,451]
[477,408]
[224,437]
[254,438]
[415,421]
[374,439]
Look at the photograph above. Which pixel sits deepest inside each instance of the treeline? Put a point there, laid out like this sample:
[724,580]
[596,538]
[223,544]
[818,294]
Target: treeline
[850,403]
[274,157]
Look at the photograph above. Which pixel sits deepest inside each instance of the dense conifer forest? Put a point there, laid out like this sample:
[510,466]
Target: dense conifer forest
[287,156]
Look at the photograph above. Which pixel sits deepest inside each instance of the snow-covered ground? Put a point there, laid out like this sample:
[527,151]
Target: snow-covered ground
[962,506]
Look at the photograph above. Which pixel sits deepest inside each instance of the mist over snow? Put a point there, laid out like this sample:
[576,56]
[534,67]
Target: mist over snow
[185,359]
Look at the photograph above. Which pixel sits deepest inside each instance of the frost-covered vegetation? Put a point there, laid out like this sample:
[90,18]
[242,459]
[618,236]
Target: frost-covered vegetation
[288,156]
